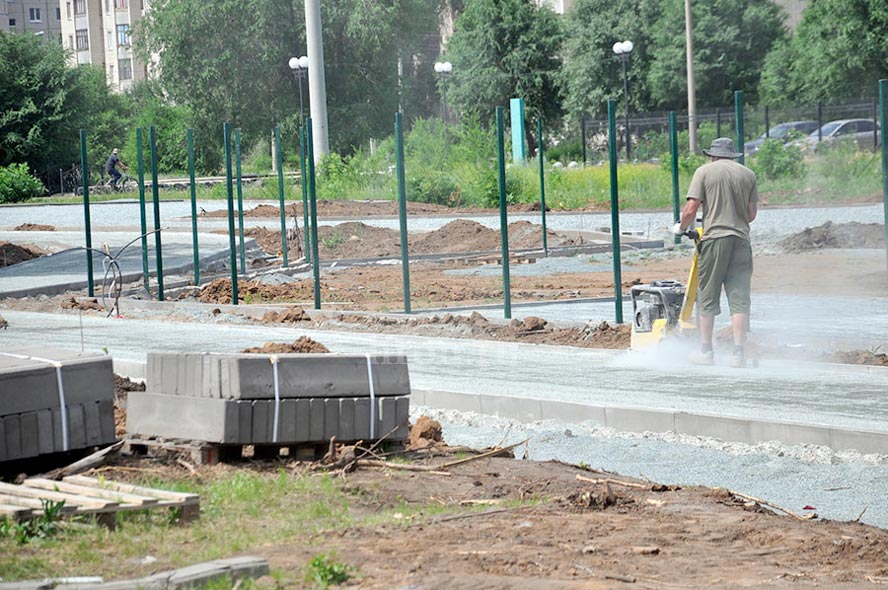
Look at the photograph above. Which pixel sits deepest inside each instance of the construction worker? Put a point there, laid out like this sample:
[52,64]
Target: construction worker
[728,193]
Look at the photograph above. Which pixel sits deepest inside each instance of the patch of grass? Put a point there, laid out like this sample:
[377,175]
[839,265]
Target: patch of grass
[332,239]
[323,570]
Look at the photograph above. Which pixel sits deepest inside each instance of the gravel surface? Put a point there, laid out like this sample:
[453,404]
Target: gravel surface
[792,477]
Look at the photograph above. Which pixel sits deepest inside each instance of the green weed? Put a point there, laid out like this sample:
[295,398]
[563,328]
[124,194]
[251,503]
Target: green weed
[324,570]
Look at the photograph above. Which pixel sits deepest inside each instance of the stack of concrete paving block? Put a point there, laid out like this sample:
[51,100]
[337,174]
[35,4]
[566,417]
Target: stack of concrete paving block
[32,406]
[230,398]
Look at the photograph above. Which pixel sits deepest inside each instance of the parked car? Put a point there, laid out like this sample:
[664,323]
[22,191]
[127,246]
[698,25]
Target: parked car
[783,132]
[863,131]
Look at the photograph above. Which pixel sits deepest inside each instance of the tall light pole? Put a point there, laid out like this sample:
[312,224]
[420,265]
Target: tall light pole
[317,84]
[623,49]
[443,68]
[299,65]
[692,90]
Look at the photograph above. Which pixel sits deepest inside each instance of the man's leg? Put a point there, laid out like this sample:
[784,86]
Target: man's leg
[712,267]
[115,176]
[737,287]
[707,324]
[739,323]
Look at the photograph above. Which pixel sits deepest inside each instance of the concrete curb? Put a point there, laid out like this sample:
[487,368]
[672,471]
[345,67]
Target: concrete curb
[629,419]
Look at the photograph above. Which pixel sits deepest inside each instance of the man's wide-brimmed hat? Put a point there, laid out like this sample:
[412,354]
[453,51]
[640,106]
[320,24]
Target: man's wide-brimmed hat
[722,147]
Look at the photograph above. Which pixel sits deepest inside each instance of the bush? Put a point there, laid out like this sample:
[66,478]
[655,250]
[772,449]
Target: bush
[778,160]
[17,184]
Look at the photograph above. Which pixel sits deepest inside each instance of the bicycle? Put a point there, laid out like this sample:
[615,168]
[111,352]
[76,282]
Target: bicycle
[124,184]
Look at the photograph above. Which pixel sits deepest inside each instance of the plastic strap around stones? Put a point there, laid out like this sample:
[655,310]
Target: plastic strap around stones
[62,404]
[277,398]
[372,398]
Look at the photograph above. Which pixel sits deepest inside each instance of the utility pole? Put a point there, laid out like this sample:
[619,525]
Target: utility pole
[317,85]
[692,89]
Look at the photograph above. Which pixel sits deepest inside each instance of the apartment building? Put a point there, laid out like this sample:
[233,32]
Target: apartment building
[38,17]
[99,32]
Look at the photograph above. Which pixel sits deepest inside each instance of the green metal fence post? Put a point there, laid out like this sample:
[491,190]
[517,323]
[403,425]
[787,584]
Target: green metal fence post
[540,153]
[229,190]
[280,169]
[303,180]
[673,149]
[504,221]
[402,209]
[155,194]
[142,217]
[193,207]
[312,196]
[738,115]
[240,201]
[84,173]
[883,120]
[615,209]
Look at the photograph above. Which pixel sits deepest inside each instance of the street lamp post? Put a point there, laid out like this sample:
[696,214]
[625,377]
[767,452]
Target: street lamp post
[299,65]
[443,68]
[623,49]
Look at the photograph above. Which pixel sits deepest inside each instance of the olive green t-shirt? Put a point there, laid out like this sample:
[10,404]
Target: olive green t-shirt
[724,188]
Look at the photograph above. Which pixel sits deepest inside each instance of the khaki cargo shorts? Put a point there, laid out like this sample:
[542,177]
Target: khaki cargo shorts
[724,261]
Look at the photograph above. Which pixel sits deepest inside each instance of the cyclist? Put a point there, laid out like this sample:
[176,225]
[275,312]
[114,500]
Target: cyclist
[111,168]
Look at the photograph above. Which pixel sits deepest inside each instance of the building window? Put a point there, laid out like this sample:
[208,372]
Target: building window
[123,36]
[110,40]
[111,74]
[68,5]
[70,41]
[82,36]
[121,4]
[58,13]
[79,7]
[34,15]
[11,23]
[126,69]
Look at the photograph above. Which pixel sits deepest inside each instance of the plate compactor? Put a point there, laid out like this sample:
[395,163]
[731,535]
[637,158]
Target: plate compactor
[664,308]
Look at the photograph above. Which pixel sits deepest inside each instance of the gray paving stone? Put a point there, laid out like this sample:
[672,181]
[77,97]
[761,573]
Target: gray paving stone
[316,419]
[347,419]
[211,420]
[76,426]
[106,422]
[362,419]
[244,420]
[331,418]
[4,453]
[13,430]
[29,434]
[91,424]
[288,420]
[261,420]
[303,420]
[45,442]
[402,417]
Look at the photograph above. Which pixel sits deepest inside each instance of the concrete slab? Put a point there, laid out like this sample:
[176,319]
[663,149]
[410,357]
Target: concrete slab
[44,432]
[639,420]
[859,440]
[790,434]
[29,435]
[347,419]
[12,428]
[523,409]
[572,412]
[730,429]
[173,416]
[454,400]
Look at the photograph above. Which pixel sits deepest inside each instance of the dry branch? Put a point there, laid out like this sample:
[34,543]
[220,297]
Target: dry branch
[616,482]
[774,506]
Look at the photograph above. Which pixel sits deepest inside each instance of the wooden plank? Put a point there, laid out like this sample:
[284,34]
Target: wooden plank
[133,489]
[89,491]
[34,503]
[15,512]
[69,499]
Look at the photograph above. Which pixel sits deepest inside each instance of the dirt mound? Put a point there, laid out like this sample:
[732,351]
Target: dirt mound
[425,433]
[357,240]
[860,357]
[292,315]
[82,305]
[122,387]
[338,209]
[464,235]
[13,253]
[303,345]
[836,235]
[34,227]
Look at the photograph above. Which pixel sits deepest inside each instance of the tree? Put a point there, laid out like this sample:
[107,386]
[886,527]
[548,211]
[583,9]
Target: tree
[227,61]
[503,49]
[43,103]
[731,40]
[592,74]
[838,51]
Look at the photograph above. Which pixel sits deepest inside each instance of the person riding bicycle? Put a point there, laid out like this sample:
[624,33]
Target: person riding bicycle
[111,167]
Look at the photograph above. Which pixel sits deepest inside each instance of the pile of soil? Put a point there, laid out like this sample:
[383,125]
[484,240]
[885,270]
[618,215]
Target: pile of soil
[531,329]
[34,227]
[303,345]
[345,208]
[81,304]
[425,433]
[859,357]
[13,253]
[836,235]
[354,239]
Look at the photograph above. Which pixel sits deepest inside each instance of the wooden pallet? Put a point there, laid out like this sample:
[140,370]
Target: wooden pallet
[86,495]
[208,453]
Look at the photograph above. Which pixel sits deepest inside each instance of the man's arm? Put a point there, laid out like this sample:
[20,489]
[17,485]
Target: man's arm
[751,211]
[689,213]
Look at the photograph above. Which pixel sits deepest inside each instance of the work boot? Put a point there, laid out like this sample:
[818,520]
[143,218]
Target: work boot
[705,358]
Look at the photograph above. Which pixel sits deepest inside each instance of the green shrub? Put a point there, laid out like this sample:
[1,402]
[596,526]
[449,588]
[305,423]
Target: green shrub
[566,151]
[778,160]
[17,184]
[324,570]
